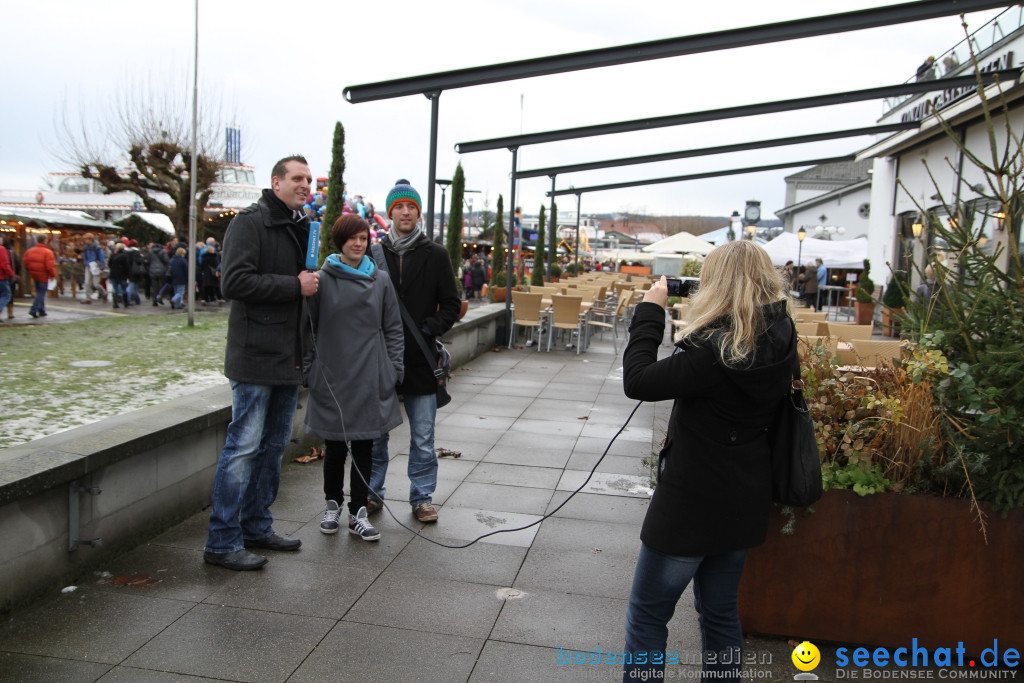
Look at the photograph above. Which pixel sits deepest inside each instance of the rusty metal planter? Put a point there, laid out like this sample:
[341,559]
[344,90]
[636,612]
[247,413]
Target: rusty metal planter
[885,568]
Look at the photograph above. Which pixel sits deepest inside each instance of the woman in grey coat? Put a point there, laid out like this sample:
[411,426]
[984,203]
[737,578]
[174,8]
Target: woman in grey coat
[356,366]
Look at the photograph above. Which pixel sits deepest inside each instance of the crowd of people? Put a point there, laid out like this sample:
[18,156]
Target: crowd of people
[120,272]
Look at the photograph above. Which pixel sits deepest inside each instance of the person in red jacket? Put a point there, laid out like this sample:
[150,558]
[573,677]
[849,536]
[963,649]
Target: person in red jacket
[6,278]
[41,265]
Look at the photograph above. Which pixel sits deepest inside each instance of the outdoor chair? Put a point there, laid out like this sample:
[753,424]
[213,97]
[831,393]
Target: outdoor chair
[872,353]
[806,315]
[567,315]
[526,314]
[806,343]
[849,331]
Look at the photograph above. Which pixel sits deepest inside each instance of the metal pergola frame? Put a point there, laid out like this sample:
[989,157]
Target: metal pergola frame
[432,85]
[739,111]
[721,149]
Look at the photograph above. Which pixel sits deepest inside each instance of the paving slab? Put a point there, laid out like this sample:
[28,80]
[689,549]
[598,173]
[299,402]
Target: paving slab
[523,499]
[364,653]
[405,601]
[233,643]
[91,625]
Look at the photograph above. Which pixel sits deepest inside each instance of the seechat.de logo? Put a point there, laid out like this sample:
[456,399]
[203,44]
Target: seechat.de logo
[805,658]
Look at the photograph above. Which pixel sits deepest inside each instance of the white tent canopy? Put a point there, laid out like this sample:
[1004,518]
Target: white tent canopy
[680,243]
[833,253]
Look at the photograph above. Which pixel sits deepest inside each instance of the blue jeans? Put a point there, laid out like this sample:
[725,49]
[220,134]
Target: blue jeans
[133,292]
[119,288]
[658,582]
[422,411]
[179,292]
[39,303]
[249,467]
[5,294]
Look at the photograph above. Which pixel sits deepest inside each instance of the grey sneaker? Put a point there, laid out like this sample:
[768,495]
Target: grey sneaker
[359,525]
[330,525]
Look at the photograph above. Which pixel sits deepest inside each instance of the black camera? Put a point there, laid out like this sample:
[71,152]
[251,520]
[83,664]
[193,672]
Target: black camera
[682,286]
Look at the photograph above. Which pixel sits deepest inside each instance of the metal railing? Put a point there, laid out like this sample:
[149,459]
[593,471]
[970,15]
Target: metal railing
[957,59]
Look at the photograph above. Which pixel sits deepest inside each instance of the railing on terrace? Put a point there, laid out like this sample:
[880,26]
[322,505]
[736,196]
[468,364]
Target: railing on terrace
[957,59]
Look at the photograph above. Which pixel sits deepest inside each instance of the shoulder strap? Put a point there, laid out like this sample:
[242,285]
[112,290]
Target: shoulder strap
[377,253]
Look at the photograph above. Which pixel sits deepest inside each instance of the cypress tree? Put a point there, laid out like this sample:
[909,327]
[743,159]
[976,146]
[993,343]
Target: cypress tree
[537,275]
[335,192]
[453,240]
[553,242]
[498,243]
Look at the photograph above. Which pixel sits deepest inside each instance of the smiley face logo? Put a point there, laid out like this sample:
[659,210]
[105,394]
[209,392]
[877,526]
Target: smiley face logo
[806,656]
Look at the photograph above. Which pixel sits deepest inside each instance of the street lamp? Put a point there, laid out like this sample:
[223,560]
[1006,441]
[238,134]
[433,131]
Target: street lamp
[801,235]
[444,188]
[829,230]
[917,228]
[751,231]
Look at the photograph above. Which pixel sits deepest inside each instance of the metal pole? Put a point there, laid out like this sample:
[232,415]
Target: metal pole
[440,233]
[578,196]
[434,98]
[508,279]
[192,180]
[552,240]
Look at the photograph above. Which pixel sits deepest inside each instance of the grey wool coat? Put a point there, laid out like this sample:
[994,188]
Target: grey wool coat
[357,361]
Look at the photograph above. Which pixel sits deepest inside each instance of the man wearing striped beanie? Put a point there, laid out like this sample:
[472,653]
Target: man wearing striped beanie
[424,280]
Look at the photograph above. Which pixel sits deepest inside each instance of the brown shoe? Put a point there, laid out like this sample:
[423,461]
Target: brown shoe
[425,512]
[373,505]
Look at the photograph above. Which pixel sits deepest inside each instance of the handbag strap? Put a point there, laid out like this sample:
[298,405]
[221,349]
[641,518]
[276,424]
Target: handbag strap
[798,384]
[378,258]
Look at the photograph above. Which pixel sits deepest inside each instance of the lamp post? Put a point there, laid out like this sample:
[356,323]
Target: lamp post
[801,235]
[751,231]
[444,188]
[826,231]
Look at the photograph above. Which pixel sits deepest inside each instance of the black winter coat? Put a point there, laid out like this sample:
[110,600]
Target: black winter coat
[268,329]
[120,266]
[425,282]
[714,493]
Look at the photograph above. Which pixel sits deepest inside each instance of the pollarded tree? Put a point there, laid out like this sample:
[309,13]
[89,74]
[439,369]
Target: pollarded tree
[145,147]
[537,274]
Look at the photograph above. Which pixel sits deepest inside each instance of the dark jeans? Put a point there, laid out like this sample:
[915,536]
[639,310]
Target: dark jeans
[334,472]
[249,468]
[39,303]
[658,582]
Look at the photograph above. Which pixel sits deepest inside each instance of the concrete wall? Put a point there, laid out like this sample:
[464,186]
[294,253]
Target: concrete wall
[154,467]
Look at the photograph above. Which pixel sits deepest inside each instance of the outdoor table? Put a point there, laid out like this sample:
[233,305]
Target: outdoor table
[835,292]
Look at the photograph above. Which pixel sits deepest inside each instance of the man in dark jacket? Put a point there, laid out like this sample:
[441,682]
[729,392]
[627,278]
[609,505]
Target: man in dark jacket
[264,276]
[424,280]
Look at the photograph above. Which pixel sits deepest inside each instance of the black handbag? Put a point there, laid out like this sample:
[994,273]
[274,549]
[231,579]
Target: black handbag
[796,463]
[442,364]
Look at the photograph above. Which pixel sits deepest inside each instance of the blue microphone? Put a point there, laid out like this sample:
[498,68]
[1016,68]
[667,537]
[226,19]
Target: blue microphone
[313,249]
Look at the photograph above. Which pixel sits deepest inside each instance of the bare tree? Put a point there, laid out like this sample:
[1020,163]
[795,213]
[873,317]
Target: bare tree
[144,146]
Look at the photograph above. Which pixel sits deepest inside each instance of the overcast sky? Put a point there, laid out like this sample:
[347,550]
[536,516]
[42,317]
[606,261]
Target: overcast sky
[280,68]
